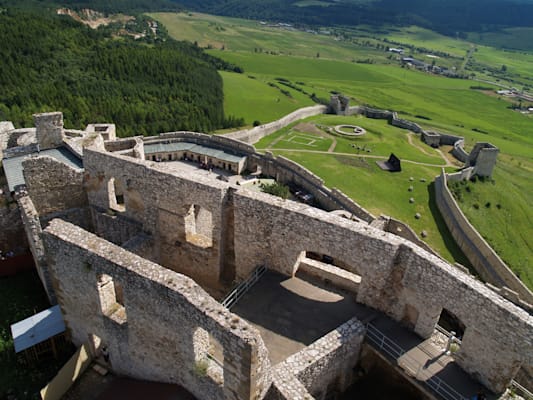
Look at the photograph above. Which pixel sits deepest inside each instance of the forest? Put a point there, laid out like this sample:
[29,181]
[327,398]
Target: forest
[52,62]
[449,17]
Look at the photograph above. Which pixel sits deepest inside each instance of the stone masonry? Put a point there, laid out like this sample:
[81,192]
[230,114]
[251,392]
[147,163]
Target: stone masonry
[195,236]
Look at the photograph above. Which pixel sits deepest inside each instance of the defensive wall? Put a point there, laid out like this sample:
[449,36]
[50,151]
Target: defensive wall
[484,259]
[251,229]
[255,134]
[156,324]
[324,366]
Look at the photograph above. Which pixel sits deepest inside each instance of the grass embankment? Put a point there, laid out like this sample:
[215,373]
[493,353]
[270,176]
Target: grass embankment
[443,104]
[501,211]
[22,296]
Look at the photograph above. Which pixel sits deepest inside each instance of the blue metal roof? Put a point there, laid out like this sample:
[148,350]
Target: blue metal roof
[13,166]
[37,328]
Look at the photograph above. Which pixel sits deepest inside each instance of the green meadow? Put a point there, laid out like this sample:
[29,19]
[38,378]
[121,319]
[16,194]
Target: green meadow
[434,102]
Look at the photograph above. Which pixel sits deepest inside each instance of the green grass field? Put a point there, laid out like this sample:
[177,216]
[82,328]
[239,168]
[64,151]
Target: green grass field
[443,104]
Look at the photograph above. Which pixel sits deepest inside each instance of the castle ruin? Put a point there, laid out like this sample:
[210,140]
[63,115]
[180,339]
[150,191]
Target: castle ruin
[138,254]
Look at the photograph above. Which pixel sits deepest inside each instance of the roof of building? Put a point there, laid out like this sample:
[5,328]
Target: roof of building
[13,166]
[193,148]
[37,328]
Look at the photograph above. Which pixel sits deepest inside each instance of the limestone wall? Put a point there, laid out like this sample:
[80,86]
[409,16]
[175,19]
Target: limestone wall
[53,185]
[287,171]
[255,134]
[405,231]
[163,318]
[33,229]
[12,234]
[484,259]
[397,278]
[321,368]
[49,129]
[162,204]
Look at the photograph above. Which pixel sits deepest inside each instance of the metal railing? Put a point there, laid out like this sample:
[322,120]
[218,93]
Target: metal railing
[395,351]
[519,389]
[241,289]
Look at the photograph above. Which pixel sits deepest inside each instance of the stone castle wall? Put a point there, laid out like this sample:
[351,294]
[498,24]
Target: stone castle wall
[159,204]
[328,362]
[397,277]
[484,259]
[33,229]
[53,185]
[161,326]
[255,134]
[250,229]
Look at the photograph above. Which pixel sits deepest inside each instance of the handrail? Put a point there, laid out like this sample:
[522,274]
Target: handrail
[395,351]
[521,389]
[447,334]
[241,289]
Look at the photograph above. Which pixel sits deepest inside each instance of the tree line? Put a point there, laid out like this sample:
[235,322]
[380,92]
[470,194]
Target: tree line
[52,62]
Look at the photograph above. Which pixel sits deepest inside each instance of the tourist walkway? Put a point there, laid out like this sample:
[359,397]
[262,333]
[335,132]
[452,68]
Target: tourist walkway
[291,313]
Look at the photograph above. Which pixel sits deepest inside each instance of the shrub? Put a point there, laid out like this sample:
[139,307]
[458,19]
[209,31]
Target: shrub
[276,189]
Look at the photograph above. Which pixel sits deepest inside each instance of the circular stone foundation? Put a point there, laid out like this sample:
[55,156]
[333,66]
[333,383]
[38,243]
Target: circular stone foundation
[355,130]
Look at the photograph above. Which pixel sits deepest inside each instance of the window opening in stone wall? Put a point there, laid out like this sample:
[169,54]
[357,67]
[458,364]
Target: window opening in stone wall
[208,356]
[452,328]
[111,296]
[328,269]
[450,322]
[199,226]
[116,196]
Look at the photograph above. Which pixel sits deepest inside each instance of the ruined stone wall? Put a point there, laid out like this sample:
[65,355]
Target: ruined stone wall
[12,234]
[327,364]
[483,258]
[49,129]
[459,151]
[287,171]
[162,204]
[497,338]
[255,134]
[397,278]
[405,124]
[159,329]
[403,230]
[32,226]
[322,368]
[53,185]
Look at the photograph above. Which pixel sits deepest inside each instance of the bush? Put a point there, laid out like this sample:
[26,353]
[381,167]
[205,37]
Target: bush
[276,189]
[257,123]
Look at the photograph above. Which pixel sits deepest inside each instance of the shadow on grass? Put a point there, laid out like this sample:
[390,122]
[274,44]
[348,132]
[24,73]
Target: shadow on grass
[449,241]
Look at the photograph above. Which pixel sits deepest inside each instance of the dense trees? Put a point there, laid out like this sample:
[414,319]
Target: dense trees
[447,16]
[54,63]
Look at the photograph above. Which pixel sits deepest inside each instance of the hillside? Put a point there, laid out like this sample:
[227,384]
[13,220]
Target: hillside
[448,16]
[141,87]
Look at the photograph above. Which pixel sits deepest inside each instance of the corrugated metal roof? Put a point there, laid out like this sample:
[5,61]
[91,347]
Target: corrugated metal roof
[13,166]
[37,328]
[195,148]
[167,147]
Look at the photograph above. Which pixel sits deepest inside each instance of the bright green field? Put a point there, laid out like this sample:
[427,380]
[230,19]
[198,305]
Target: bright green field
[507,206]
[250,36]
[443,104]
[252,99]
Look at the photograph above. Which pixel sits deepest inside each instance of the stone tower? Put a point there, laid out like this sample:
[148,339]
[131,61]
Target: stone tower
[483,159]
